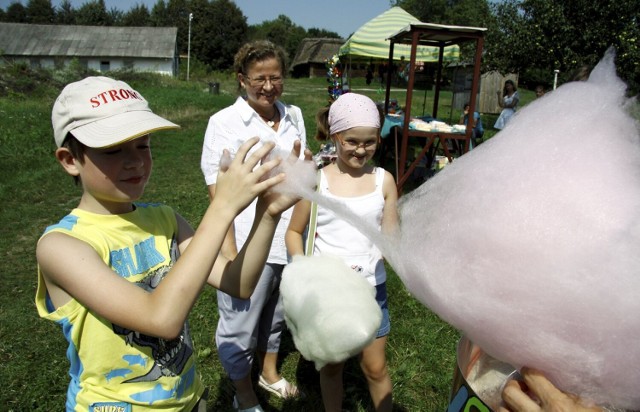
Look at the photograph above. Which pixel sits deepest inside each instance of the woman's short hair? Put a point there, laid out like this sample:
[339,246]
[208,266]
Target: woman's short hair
[256,51]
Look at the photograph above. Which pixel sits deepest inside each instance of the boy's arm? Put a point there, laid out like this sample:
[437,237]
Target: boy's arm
[229,248]
[299,221]
[71,268]
[239,276]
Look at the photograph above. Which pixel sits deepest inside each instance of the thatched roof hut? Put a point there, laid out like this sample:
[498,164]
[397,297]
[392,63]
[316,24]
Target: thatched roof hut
[312,54]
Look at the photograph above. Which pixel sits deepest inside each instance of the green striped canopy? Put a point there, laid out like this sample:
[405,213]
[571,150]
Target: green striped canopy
[371,40]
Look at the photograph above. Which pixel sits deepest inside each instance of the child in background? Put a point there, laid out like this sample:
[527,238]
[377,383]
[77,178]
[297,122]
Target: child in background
[478,130]
[353,123]
[109,272]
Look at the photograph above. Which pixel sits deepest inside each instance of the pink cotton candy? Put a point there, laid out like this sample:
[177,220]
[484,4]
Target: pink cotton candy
[530,243]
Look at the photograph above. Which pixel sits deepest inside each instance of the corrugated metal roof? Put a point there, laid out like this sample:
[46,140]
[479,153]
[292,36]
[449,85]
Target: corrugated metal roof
[18,39]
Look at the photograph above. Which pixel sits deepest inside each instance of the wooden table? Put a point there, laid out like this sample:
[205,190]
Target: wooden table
[432,140]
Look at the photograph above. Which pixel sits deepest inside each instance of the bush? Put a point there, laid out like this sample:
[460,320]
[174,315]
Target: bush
[18,79]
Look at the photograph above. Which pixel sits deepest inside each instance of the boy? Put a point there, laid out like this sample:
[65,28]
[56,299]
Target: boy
[109,271]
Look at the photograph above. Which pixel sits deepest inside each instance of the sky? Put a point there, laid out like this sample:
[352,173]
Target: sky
[341,16]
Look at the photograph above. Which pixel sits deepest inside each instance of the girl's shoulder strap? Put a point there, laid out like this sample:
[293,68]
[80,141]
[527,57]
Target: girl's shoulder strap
[380,172]
[313,220]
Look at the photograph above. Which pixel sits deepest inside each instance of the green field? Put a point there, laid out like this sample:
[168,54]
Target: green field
[35,193]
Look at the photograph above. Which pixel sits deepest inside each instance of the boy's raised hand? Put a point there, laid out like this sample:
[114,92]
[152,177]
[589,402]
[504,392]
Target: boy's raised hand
[238,183]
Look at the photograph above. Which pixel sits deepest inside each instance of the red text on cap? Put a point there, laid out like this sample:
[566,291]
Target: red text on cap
[114,95]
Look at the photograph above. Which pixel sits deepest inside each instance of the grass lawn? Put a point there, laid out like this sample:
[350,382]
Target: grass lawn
[35,193]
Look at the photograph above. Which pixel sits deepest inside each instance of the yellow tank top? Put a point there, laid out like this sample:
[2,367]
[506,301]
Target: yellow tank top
[112,368]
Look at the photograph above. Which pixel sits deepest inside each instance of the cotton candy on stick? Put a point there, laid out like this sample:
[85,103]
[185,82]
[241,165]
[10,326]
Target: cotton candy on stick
[330,309]
[530,244]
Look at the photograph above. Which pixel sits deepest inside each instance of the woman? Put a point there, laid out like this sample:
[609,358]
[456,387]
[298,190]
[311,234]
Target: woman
[252,327]
[508,102]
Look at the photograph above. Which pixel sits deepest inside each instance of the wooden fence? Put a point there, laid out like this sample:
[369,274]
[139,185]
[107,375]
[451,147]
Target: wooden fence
[490,83]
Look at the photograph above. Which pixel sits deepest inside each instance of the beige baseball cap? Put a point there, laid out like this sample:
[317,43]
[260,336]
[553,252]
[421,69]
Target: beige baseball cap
[102,112]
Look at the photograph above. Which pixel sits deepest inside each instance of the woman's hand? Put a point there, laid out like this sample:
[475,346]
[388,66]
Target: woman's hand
[538,394]
[275,202]
[240,181]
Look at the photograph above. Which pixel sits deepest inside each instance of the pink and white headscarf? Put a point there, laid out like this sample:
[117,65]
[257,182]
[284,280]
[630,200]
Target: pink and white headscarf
[352,110]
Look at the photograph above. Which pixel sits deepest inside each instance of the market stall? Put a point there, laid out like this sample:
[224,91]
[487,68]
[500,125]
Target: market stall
[431,135]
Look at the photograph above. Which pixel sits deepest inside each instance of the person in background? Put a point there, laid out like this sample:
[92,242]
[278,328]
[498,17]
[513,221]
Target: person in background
[508,100]
[353,123]
[539,91]
[403,71]
[120,276]
[536,393]
[581,74]
[369,75]
[251,328]
[478,130]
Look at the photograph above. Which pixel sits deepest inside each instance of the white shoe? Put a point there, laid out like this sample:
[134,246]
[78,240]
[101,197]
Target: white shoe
[282,389]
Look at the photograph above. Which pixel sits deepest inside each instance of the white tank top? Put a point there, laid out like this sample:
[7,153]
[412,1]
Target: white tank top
[338,237]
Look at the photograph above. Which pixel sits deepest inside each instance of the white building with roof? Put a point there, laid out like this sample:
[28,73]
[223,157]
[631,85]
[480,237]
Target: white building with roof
[101,48]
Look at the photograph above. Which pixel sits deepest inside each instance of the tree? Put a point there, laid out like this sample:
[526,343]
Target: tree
[539,36]
[316,32]
[93,13]
[218,30]
[475,13]
[159,15]
[16,13]
[179,10]
[470,13]
[40,12]
[65,13]
[115,17]
[138,15]
[281,31]
[432,11]
[503,44]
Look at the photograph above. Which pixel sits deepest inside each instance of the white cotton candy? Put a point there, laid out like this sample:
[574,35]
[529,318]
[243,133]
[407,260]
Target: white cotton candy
[330,309]
[301,176]
[530,243]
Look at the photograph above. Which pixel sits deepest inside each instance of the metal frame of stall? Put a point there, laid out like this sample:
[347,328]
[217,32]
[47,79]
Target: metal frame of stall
[441,36]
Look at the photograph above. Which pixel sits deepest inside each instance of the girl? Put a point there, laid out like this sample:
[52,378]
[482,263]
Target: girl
[353,124]
[508,102]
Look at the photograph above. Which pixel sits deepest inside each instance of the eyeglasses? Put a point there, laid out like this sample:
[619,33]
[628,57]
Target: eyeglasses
[261,81]
[352,145]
